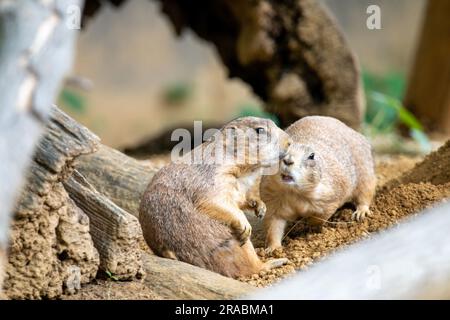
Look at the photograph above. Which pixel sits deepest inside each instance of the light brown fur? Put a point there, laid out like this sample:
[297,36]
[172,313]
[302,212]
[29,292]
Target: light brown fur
[341,170]
[193,212]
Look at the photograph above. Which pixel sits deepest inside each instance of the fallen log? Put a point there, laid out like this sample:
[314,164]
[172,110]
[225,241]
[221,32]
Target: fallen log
[51,250]
[292,53]
[173,279]
[115,232]
[118,177]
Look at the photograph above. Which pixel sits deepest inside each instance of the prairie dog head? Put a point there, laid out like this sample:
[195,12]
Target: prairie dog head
[301,167]
[254,141]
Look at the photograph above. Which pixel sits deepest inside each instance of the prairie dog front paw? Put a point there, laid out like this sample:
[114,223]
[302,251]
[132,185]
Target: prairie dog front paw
[242,230]
[258,207]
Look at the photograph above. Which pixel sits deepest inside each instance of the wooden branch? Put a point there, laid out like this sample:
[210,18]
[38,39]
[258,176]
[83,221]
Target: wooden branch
[118,177]
[178,280]
[63,142]
[428,93]
[410,261]
[37,50]
[292,53]
[115,233]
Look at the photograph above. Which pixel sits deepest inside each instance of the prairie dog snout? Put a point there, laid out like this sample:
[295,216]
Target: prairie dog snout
[300,167]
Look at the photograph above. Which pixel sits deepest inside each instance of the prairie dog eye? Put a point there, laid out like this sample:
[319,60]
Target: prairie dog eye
[260,130]
[311,156]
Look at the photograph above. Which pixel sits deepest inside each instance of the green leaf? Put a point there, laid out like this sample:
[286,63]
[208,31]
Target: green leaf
[177,93]
[73,100]
[391,84]
[111,276]
[379,115]
[394,85]
[403,114]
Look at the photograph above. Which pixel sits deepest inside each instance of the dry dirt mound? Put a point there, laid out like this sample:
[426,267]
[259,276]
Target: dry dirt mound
[393,202]
[434,169]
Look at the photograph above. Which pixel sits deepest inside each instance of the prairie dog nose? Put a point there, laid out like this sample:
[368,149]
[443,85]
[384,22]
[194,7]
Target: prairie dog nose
[288,160]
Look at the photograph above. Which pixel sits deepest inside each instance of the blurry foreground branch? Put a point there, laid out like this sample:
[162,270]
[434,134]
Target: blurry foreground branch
[36,51]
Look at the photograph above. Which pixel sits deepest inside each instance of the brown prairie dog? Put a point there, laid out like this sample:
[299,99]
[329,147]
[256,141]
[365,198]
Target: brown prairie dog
[193,212]
[329,164]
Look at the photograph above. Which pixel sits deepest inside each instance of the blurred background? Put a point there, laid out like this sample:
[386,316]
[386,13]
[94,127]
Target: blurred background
[145,79]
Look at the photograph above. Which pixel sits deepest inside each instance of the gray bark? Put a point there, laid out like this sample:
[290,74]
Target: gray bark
[118,177]
[36,51]
[115,232]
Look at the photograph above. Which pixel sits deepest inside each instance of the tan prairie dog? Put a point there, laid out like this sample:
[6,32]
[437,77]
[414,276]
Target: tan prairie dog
[329,164]
[194,212]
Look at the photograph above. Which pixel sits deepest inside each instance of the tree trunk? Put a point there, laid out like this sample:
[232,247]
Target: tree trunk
[292,53]
[36,50]
[428,93]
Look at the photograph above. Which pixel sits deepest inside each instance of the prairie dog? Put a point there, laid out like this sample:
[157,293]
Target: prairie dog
[329,164]
[193,212]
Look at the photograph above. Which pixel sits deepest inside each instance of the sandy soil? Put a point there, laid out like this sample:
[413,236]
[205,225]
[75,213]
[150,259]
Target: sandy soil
[304,245]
